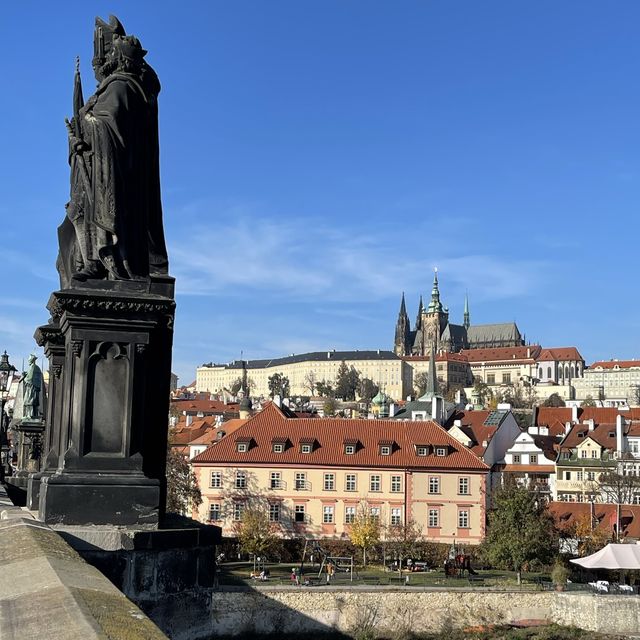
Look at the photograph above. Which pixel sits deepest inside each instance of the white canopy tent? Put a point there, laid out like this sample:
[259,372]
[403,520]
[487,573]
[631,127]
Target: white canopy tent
[613,556]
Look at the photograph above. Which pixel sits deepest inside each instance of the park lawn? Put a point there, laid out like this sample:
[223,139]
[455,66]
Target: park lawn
[238,573]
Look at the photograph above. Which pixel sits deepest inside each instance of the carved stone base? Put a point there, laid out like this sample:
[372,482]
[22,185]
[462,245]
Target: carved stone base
[109,346]
[84,499]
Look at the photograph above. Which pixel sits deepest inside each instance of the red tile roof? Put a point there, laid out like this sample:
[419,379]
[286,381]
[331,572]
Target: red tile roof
[567,514]
[330,435]
[205,406]
[443,356]
[560,353]
[474,428]
[603,434]
[502,354]
[181,436]
[610,364]
[554,418]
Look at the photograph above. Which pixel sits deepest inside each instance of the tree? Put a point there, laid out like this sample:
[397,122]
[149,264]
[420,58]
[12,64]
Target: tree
[347,380]
[520,529]
[183,492]
[590,538]
[588,402]
[310,382]
[324,389]
[256,534]
[420,383]
[452,392]
[330,407]
[278,385]
[367,390]
[554,400]
[402,540]
[482,391]
[236,385]
[365,530]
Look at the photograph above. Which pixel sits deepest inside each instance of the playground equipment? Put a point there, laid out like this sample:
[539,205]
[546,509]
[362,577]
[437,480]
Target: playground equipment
[339,563]
[457,563]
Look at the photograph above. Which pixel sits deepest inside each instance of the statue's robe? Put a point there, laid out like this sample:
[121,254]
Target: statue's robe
[119,220]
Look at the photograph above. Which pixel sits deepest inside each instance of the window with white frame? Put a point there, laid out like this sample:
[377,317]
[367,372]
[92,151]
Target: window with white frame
[594,453]
[242,447]
[238,510]
[422,451]
[516,458]
[434,517]
[329,482]
[463,519]
[375,513]
[301,481]
[385,450]
[583,453]
[396,516]
[349,449]
[299,513]
[214,512]
[441,451]
[216,480]
[275,480]
[350,482]
[327,514]
[274,511]
[396,484]
[434,484]
[463,486]
[305,448]
[277,447]
[579,475]
[349,515]
[241,480]
[533,458]
[591,475]
[375,483]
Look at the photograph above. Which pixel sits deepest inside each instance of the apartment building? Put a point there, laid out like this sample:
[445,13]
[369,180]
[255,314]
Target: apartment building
[312,476]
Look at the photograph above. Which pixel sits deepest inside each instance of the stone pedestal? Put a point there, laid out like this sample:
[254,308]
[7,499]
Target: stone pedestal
[109,346]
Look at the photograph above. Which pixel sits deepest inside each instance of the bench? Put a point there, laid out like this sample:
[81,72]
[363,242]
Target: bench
[476,580]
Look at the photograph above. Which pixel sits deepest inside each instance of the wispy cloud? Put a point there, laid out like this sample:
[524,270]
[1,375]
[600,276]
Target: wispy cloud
[310,260]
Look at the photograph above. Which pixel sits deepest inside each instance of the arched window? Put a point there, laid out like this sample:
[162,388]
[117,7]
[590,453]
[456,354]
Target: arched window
[540,373]
[566,371]
[549,373]
[573,371]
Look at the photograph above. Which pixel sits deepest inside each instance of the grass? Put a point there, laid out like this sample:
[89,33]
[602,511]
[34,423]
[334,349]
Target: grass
[239,573]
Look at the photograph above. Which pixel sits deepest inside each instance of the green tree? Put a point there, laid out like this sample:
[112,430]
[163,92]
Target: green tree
[554,400]
[483,392]
[183,492]
[330,407]
[278,385]
[588,402]
[256,534]
[520,529]
[364,530]
[324,389]
[347,380]
[367,390]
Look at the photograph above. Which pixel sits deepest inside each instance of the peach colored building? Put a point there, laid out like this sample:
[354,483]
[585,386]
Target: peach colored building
[312,476]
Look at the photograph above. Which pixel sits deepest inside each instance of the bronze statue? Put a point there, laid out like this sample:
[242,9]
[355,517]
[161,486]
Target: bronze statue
[113,227]
[32,391]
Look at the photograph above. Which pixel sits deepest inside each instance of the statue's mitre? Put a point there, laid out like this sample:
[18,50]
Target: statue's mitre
[103,36]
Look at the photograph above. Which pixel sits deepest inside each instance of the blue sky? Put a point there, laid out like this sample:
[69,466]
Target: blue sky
[320,157]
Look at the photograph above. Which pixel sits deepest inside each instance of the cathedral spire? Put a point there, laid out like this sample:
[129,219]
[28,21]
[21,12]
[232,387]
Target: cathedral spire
[419,317]
[401,342]
[435,306]
[467,318]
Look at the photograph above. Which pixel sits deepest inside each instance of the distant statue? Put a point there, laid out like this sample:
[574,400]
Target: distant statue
[32,391]
[113,227]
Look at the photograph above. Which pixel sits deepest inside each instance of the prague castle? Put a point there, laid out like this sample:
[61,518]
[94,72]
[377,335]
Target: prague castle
[433,329]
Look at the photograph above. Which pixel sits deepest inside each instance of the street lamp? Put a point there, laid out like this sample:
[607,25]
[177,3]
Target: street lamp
[6,377]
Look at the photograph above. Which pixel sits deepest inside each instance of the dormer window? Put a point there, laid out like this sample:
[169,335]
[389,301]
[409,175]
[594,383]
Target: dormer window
[581,434]
[349,449]
[441,451]
[307,445]
[305,448]
[277,447]
[385,450]
[422,450]
[242,447]
[351,445]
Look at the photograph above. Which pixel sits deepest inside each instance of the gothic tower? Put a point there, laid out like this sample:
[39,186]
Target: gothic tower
[467,318]
[403,330]
[434,319]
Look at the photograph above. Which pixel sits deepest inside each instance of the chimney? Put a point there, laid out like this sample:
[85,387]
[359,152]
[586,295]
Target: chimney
[528,352]
[592,424]
[392,409]
[220,434]
[277,400]
[567,427]
[189,420]
[457,423]
[619,429]
[574,414]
